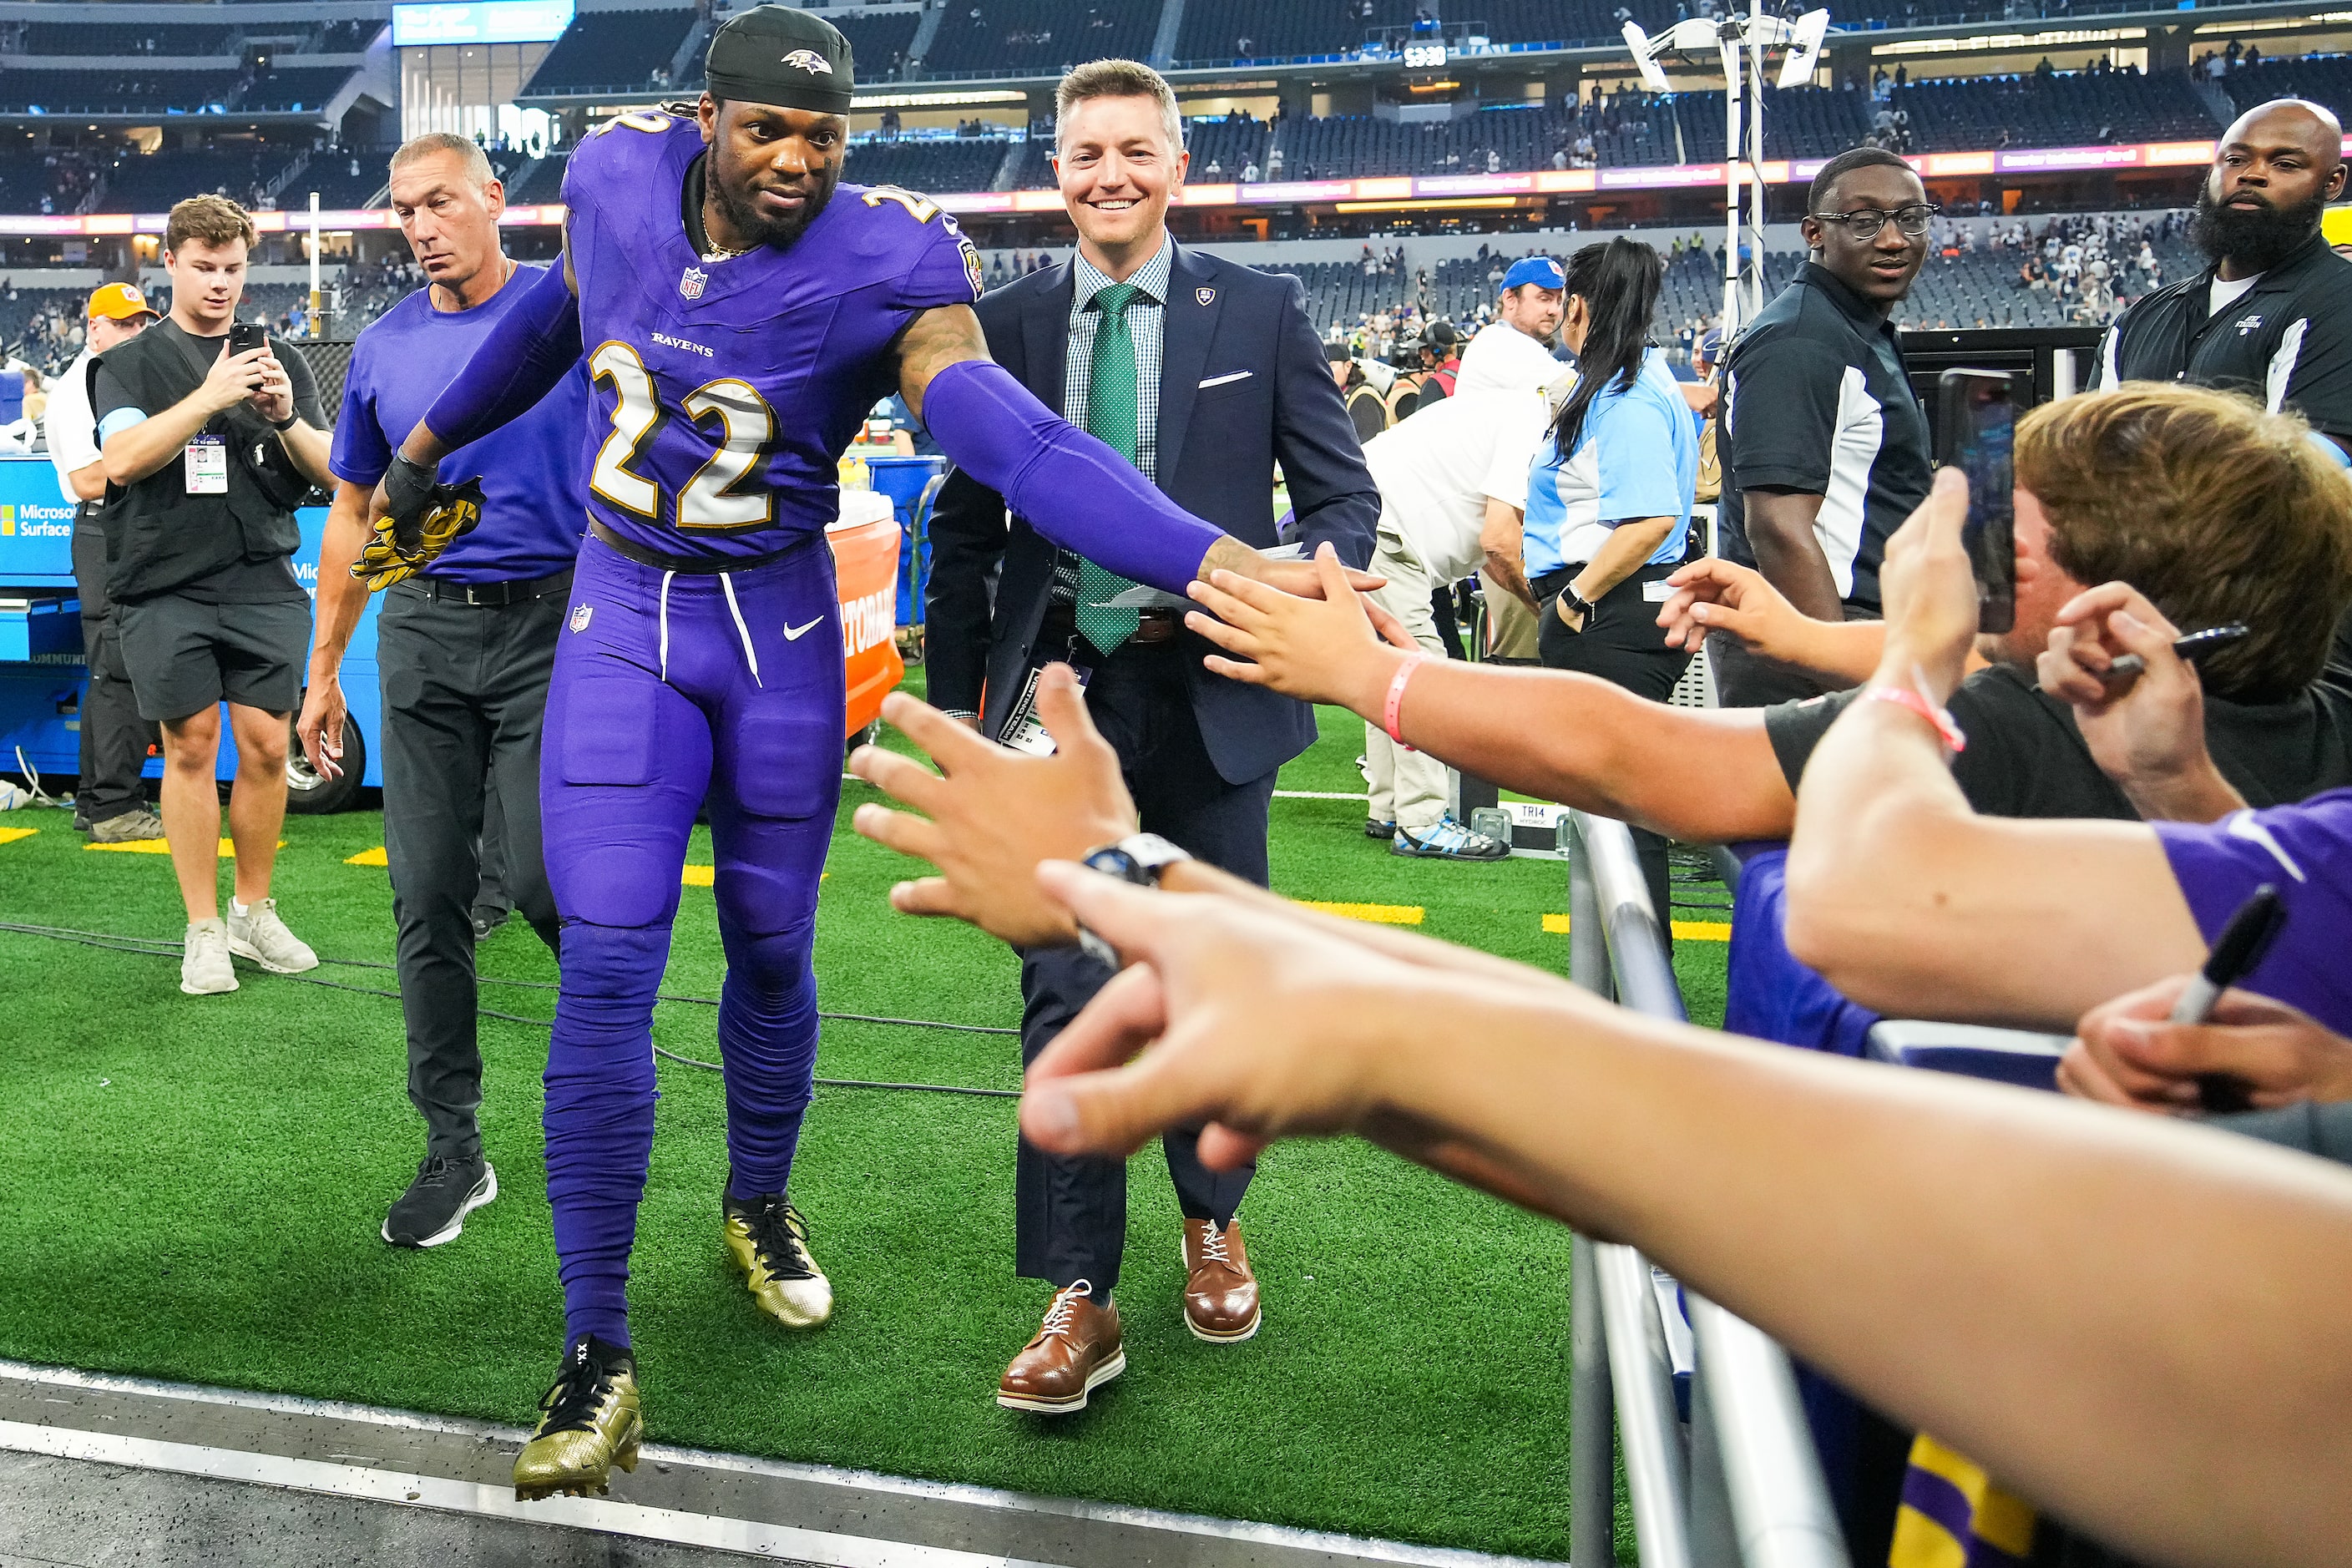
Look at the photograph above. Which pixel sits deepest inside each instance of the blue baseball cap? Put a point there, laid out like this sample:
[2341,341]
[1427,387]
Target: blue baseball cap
[1540,270]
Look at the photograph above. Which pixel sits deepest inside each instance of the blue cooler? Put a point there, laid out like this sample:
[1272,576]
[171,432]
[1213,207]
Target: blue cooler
[908,483]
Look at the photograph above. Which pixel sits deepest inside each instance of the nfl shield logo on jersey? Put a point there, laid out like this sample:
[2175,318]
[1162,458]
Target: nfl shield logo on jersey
[580,614]
[690,285]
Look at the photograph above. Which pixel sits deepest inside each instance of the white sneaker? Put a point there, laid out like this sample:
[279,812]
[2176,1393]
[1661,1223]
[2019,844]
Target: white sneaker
[205,968]
[259,934]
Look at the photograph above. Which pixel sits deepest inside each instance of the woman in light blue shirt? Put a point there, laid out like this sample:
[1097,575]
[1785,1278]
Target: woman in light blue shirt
[1608,496]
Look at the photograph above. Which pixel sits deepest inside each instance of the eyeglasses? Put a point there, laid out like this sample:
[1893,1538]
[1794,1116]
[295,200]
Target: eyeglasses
[1911,221]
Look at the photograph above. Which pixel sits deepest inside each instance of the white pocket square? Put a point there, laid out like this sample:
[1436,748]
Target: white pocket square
[1228,375]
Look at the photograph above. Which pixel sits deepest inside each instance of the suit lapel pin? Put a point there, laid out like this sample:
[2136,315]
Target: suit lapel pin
[1206,296]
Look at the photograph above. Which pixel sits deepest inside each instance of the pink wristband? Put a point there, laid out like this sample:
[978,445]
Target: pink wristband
[1904,697]
[1396,697]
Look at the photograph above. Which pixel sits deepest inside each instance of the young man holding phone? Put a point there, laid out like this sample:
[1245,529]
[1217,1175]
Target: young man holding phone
[209,438]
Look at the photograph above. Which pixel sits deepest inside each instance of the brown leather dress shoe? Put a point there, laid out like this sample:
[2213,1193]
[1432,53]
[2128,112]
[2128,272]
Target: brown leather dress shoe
[1075,1351]
[1220,1292]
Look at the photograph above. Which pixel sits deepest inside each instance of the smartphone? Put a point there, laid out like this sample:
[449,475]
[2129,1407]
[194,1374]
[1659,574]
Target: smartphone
[243,337]
[1976,431]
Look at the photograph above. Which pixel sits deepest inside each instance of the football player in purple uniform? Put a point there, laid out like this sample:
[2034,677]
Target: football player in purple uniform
[740,311]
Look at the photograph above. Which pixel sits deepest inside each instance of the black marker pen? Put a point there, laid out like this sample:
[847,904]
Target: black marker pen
[2243,943]
[2195,648]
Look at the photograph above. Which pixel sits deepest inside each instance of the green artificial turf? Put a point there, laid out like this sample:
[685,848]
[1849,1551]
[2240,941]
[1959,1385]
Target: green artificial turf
[194,1185]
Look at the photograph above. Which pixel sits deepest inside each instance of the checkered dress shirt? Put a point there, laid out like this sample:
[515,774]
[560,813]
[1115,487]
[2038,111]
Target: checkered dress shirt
[1147,320]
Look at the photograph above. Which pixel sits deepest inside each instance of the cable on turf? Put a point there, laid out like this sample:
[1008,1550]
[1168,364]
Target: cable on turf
[159,947]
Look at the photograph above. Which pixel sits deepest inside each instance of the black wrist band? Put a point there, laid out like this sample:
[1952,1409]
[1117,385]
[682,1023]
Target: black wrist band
[281,427]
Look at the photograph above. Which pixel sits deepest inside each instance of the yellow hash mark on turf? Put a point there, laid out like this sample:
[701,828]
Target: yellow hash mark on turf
[1689,930]
[10,834]
[374,857]
[1378,914]
[162,847]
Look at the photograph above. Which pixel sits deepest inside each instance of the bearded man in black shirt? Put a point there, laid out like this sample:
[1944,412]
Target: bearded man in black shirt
[2272,316]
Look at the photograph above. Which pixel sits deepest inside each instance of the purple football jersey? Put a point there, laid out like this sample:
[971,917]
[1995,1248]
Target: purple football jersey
[725,391]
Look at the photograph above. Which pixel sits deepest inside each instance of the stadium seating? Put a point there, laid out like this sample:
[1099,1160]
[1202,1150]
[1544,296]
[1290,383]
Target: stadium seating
[2079,109]
[110,92]
[618,49]
[2323,79]
[1213,30]
[543,182]
[174,39]
[963,163]
[1034,37]
[874,42]
[295,87]
[1230,144]
[1353,146]
[344,179]
[152,183]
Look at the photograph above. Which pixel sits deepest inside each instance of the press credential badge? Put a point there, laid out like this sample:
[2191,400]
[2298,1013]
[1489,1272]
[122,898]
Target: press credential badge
[207,462]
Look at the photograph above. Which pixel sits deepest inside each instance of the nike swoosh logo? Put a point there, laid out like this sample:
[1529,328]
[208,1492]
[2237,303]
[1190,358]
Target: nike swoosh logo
[793,633]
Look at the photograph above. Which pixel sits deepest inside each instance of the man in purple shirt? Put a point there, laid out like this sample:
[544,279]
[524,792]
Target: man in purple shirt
[464,649]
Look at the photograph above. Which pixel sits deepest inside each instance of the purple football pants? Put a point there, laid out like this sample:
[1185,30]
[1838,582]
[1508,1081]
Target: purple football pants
[668,689]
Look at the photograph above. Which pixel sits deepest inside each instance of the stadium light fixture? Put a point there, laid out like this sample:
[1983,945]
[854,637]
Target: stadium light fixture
[1805,49]
[1742,42]
[1646,56]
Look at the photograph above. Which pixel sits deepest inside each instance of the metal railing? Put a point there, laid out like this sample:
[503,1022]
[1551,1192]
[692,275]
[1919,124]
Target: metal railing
[1742,1487]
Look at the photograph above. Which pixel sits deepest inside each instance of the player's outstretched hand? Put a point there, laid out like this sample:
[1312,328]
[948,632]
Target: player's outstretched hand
[992,813]
[2127,1052]
[1327,648]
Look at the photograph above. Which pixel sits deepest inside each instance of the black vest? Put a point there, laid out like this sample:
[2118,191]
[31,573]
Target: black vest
[158,536]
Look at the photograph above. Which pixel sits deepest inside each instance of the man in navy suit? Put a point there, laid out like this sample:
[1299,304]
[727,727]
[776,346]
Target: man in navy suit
[1205,375]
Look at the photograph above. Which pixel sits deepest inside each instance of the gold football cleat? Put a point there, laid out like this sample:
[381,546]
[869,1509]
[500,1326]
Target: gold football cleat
[589,1422]
[768,1241]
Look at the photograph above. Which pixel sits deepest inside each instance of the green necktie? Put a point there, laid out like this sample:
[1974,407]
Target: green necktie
[1110,419]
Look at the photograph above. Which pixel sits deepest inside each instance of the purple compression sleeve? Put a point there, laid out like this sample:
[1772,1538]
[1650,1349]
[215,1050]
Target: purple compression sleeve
[1069,486]
[524,358]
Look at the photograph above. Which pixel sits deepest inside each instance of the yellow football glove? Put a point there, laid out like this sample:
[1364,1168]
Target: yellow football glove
[446,513]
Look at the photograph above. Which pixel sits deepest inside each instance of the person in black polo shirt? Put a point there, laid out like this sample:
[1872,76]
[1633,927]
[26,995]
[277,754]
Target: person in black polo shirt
[1825,449]
[2272,316]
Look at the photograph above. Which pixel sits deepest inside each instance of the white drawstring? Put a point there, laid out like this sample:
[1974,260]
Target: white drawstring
[665,624]
[727,583]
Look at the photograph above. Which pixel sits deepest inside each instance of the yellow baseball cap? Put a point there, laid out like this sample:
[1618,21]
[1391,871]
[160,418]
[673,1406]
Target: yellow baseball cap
[119,302]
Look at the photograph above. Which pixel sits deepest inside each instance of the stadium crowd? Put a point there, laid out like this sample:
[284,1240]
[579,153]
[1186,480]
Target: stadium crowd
[2048,824]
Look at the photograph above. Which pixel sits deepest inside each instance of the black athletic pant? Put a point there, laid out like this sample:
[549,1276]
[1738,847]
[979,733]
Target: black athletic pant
[114,739]
[1622,644]
[1072,1211]
[465,690]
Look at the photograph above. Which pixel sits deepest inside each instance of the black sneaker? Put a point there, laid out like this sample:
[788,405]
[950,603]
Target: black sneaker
[434,1207]
[1375,828]
[488,918]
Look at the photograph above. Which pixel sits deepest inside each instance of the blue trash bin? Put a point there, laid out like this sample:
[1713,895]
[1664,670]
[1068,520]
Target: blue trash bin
[904,480]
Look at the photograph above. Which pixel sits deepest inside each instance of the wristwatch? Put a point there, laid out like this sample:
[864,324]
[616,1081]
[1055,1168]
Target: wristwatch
[1577,602]
[1140,859]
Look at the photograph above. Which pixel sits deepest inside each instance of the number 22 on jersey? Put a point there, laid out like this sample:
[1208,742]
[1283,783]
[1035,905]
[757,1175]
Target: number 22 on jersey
[746,425]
